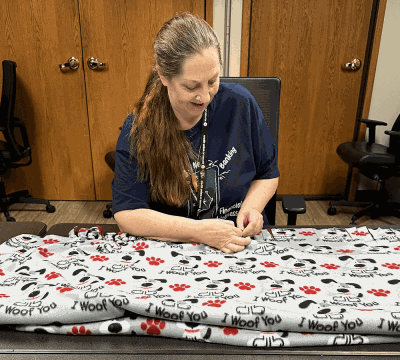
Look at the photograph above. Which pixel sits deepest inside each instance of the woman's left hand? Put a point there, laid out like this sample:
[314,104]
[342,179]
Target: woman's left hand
[250,221]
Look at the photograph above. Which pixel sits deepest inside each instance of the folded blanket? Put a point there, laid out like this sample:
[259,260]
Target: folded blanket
[290,287]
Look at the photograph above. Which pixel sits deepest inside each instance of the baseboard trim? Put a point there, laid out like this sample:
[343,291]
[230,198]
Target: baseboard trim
[310,197]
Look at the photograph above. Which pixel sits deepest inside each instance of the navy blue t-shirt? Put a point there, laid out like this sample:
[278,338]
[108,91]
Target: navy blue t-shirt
[240,150]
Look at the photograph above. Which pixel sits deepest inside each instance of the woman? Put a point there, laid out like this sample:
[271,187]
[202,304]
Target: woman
[196,154]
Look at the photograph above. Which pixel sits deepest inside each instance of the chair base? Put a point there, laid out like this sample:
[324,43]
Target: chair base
[18,197]
[374,210]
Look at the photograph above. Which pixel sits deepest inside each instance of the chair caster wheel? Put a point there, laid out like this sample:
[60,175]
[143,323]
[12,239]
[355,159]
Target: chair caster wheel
[107,214]
[50,208]
[9,218]
[331,210]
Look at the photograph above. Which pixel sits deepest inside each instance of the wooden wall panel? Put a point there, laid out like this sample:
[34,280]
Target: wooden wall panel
[38,36]
[305,43]
[119,33]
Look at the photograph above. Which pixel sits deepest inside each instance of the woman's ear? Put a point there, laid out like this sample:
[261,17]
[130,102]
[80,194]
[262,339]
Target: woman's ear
[162,77]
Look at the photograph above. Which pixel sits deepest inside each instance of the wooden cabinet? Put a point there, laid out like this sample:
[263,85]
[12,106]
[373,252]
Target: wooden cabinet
[305,43]
[73,116]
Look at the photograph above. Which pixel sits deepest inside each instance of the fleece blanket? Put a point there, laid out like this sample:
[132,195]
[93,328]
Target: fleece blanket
[289,287]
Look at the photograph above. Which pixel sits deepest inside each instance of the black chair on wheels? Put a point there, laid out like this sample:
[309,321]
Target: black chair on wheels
[376,162]
[11,152]
[266,91]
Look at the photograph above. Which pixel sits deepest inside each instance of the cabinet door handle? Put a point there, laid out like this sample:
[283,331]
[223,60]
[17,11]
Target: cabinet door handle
[73,64]
[354,65]
[93,64]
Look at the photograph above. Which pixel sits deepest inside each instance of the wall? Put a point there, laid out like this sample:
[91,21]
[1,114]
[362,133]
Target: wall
[385,101]
[235,33]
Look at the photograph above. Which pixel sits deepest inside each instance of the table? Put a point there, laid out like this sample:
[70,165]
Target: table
[10,229]
[12,342]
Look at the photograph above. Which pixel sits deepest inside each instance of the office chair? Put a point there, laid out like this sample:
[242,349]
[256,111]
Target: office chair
[11,152]
[266,92]
[376,162]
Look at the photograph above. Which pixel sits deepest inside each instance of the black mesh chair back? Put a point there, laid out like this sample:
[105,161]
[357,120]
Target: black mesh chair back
[266,91]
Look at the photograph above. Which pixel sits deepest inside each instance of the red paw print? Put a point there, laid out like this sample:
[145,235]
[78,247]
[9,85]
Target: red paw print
[153,327]
[3,296]
[116,282]
[330,266]
[360,233]
[140,246]
[244,286]
[153,261]
[179,287]
[50,241]
[230,331]
[212,263]
[388,265]
[196,244]
[44,252]
[63,289]
[310,290]
[81,331]
[1,272]
[142,297]
[307,233]
[269,264]
[397,248]
[214,303]
[52,275]
[99,258]
[345,251]
[379,292]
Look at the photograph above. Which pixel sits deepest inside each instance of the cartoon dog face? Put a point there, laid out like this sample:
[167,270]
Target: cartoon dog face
[124,261]
[195,331]
[144,286]
[317,249]
[284,234]
[276,288]
[359,266]
[298,265]
[185,263]
[372,249]
[343,292]
[212,288]
[24,241]
[323,310]
[241,264]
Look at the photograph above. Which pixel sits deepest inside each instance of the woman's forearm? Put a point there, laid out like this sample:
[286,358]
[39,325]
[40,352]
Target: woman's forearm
[156,225]
[260,192]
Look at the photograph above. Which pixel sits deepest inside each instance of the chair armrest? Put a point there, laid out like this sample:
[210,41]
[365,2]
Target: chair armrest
[293,205]
[27,148]
[371,125]
[392,133]
[370,122]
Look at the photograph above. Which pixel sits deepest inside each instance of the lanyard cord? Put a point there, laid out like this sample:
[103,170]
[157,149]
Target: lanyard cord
[203,159]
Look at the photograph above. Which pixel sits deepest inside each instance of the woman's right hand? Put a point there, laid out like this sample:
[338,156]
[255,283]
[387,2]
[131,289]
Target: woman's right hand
[222,235]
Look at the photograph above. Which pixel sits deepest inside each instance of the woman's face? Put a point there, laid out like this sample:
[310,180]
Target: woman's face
[192,91]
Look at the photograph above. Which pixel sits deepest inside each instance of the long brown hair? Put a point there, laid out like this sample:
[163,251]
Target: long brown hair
[160,147]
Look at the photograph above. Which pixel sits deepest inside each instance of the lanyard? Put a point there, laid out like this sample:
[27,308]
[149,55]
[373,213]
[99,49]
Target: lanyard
[203,160]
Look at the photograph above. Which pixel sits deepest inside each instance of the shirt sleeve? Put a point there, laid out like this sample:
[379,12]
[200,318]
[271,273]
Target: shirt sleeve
[264,148]
[128,193]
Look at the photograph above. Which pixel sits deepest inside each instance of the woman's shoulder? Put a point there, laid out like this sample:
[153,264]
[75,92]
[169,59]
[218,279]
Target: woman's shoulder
[123,139]
[235,90]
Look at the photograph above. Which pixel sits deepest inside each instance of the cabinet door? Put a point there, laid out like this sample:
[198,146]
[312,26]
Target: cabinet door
[39,35]
[119,33]
[305,43]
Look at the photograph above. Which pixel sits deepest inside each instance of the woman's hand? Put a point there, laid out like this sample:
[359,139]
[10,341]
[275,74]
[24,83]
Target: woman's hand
[250,221]
[223,235]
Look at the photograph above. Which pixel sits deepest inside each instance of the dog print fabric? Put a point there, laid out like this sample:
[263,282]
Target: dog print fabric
[289,287]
